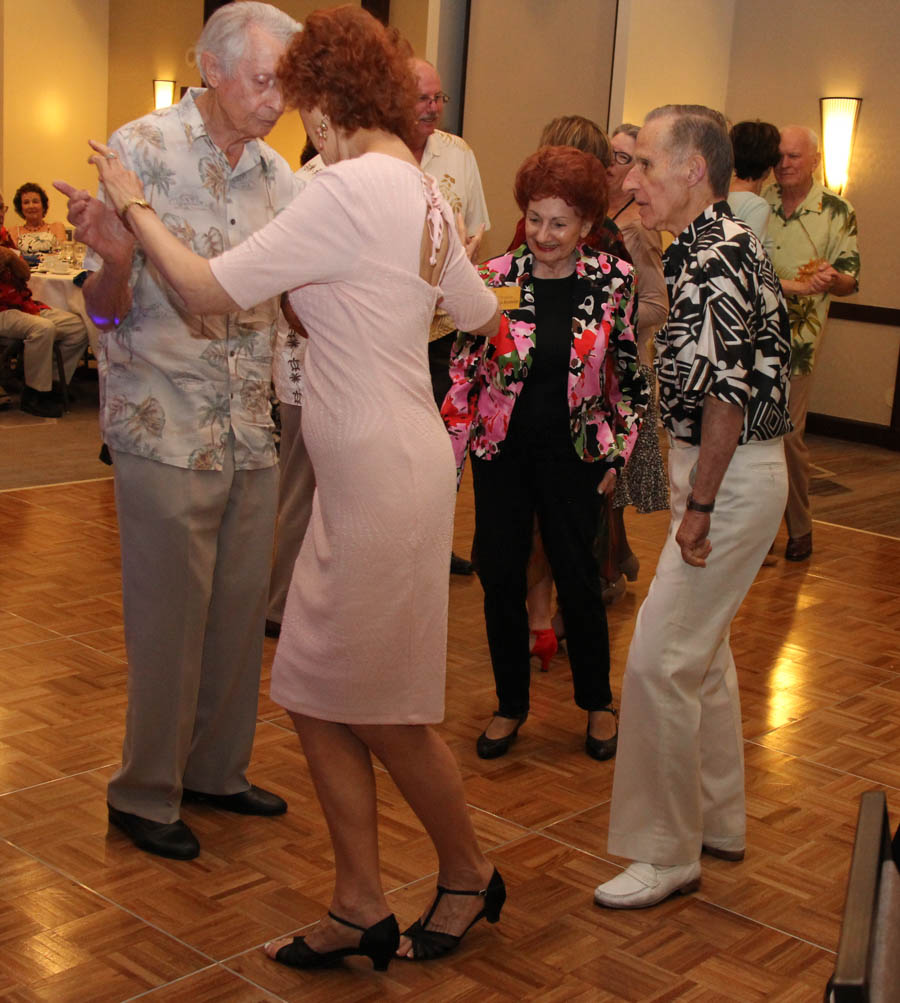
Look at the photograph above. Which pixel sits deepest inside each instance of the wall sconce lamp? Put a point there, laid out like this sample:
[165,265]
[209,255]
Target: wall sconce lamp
[163,93]
[839,116]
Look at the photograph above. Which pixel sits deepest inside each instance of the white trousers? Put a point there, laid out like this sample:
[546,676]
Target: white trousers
[679,778]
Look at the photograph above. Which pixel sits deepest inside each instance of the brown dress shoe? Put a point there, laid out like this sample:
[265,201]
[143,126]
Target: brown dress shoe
[799,548]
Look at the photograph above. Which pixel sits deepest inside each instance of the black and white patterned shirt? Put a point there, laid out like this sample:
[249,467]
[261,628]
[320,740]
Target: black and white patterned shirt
[727,335]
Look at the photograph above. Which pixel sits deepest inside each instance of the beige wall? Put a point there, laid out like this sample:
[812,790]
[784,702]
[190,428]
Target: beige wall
[54,93]
[846,50]
[410,18]
[671,53]
[527,64]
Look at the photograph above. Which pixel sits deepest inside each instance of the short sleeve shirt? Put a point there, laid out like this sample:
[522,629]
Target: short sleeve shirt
[822,228]
[451,162]
[175,385]
[727,333]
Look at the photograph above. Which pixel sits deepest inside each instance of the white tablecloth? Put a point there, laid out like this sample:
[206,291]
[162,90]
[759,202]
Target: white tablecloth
[58,290]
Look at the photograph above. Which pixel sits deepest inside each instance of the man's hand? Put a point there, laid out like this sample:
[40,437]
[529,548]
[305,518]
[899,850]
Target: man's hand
[470,243]
[98,225]
[692,537]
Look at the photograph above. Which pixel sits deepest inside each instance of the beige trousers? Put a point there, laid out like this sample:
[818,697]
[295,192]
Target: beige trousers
[196,547]
[39,332]
[796,454]
[296,486]
[679,776]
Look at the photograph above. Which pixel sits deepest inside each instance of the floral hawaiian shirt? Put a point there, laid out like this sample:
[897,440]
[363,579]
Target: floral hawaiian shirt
[727,334]
[174,385]
[14,293]
[822,228]
[606,392]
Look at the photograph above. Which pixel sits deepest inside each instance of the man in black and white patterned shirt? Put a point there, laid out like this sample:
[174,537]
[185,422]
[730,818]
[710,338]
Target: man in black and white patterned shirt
[723,363]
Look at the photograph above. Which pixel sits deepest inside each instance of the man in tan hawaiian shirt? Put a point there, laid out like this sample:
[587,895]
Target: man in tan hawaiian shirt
[186,414]
[814,250]
[450,161]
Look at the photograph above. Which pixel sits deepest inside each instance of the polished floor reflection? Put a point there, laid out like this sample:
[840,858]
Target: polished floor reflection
[84,916]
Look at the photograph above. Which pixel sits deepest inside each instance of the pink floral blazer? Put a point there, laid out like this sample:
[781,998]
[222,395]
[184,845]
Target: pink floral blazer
[607,392]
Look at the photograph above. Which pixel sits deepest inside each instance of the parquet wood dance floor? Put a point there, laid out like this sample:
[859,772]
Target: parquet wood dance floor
[85,916]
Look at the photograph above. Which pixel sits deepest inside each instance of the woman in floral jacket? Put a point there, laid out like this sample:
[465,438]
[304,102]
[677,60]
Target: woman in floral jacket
[549,408]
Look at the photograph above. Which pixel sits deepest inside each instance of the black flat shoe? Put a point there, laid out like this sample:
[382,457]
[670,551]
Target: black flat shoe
[253,801]
[430,944]
[460,566]
[273,628]
[166,839]
[379,943]
[494,748]
[602,748]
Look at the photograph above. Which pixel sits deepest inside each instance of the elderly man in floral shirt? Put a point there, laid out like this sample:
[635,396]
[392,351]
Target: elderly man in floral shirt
[814,250]
[185,412]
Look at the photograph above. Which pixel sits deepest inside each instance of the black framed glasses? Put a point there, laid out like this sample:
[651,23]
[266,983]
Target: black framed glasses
[622,158]
[440,98]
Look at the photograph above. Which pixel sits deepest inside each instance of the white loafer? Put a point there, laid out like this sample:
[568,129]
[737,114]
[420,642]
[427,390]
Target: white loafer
[641,885]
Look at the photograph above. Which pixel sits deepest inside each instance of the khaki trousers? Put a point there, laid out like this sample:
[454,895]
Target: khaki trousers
[296,486]
[196,547]
[679,776]
[39,332]
[796,454]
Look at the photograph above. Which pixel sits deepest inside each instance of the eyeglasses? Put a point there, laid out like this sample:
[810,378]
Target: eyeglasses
[440,98]
[621,157]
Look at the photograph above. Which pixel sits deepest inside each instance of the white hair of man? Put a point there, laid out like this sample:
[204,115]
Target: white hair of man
[810,134]
[698,129]
[628,128]
[224,35]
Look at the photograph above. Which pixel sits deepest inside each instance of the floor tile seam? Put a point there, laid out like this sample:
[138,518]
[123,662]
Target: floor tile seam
[55,484]
[172,982]
[765,925]
[823,766]
[855,529]
[58,780]
[110,901]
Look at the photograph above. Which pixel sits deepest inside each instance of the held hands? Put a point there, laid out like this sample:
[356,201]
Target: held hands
[470,243]
[692,537]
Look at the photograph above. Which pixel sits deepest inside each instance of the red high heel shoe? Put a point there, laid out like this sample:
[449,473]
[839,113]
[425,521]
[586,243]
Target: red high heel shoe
[544,647]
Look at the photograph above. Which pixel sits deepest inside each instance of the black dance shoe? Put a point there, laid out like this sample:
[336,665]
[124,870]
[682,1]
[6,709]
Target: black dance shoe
[379,943]
[602,748]
[494,748]
[253,801]
[166,839]
[431,944]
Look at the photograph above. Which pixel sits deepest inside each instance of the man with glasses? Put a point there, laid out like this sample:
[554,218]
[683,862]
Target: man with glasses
[451,162]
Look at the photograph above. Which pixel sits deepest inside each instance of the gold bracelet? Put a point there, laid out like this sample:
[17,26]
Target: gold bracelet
[143,203]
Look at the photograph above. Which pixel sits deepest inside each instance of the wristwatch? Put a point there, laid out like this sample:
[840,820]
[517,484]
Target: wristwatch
[699,506]
[143,203]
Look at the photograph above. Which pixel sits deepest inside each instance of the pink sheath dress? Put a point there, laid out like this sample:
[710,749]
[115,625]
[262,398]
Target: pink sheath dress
[364,633]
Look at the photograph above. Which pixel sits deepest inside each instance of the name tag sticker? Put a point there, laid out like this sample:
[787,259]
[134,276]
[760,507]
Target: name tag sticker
[508,297]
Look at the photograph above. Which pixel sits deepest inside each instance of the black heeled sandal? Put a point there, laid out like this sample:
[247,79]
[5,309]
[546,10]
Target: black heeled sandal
[431,944]
[379,943]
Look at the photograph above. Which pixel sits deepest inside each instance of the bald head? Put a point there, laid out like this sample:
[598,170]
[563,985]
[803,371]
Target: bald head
[799,152]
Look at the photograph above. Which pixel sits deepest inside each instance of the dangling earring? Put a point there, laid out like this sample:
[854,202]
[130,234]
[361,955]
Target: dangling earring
[322,131]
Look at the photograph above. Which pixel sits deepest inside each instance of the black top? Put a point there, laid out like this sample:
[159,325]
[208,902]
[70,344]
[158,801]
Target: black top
[540,417]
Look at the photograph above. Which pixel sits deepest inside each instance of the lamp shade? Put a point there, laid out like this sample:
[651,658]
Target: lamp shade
[839,116]
[163,93]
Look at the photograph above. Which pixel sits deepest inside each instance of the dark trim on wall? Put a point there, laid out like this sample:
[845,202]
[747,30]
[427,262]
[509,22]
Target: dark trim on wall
[862,431]
[612,69]
[378,8]
[863,314]
[853,431]
[465,68]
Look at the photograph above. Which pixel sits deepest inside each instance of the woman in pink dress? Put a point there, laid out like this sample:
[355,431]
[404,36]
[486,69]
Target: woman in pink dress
[366,253]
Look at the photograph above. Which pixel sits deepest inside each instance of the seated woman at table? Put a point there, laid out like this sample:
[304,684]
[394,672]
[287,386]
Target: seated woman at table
[550,408]
[36,235]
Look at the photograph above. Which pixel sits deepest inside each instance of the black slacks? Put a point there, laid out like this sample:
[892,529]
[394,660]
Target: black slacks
[561,489]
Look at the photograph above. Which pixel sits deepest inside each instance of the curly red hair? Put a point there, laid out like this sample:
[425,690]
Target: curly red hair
[578,178]
[354,69]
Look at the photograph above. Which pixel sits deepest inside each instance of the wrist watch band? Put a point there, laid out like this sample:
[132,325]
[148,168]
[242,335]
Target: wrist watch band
[143,203]
[696,506]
